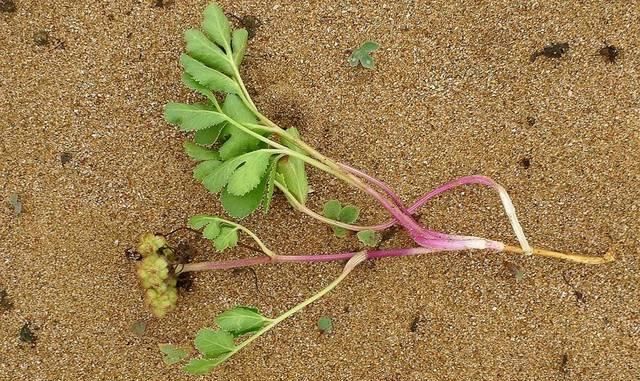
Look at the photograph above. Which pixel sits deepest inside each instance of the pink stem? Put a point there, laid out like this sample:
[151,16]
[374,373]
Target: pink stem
[381,184]
[236,263]
[421,235]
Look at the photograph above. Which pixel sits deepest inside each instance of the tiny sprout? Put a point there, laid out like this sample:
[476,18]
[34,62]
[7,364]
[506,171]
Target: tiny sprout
[325,324]
[362,55]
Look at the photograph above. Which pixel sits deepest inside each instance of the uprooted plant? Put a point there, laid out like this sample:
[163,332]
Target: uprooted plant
[244,157]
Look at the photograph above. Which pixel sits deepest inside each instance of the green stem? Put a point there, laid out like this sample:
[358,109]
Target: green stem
[302,208]
[351,264]
[263,247]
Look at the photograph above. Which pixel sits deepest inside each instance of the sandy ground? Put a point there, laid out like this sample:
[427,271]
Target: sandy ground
[84,146]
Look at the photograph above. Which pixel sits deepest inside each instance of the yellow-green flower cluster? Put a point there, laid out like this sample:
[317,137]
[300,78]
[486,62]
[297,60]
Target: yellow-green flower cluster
[155,275]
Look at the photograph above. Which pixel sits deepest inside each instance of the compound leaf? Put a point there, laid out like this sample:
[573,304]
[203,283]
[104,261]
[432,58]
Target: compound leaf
[241,206]
[192,117]
[199,221]
[214,343]
[203,366]
[202,49]
[216,25]
[204,169]
[339,231]
[199,153]
[212,230]
[188,81]
[208,136]
[227,238]
[270,183]
[239,45]
[293,171]
[332,209]
[241,320]
[369,237]
[248,176]
[237,141]
[349,214]
[208,77]
[218,178]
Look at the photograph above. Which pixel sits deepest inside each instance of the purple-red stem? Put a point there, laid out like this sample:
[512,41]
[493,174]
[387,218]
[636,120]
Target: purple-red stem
[232,264]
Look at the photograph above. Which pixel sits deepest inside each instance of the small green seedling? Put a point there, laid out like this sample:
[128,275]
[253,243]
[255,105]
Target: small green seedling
[347,214]
[325,324]
[362,55]
[244,157]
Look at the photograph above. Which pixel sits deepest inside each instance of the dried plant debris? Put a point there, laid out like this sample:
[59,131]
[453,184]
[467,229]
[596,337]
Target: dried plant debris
[27,334]
[555,50]
[8,6]
[5,302]
[250,23]
[41,38]
[610,53]
[514,270]
[138,327]
[65,158]
[16,204]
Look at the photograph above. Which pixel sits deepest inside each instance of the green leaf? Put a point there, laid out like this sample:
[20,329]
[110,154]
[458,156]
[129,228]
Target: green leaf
[248,176]
[203,366]
[237,141]
[241,320]
[325,324]
[204,169]
[339,231]
[205,51]
[209,135]
[212,231]
[192,117]
[270,182]
[349,214]
[199,221]
[369,46]
[172,353]
[208,77]
[239,45]
[332,209]
[227,239]
[199,153]
[241,206]
[369,237]
[292,169]
[219,178]
[214,343]
[362,55]
[188,81]
[216,25]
